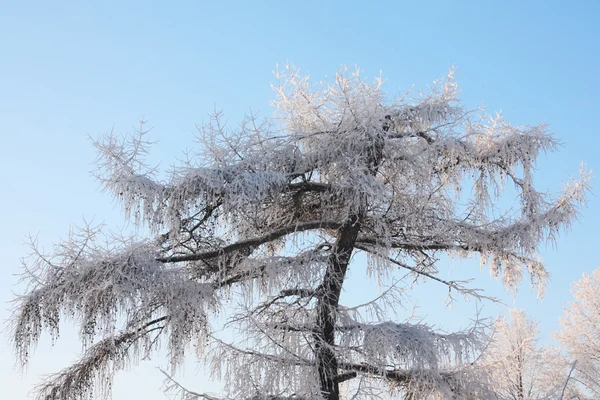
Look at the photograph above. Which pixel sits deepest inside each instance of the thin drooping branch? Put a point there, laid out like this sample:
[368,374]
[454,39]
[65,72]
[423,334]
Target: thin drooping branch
[77,381]
[253,242]
[402,245]
[172,386]
[456,285]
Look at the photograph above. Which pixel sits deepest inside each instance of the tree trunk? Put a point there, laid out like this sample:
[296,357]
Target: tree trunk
[331,288]
[327,306]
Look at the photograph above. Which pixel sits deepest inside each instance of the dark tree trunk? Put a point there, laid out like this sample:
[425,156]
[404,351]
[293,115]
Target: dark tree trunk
[327,305]
[331,288]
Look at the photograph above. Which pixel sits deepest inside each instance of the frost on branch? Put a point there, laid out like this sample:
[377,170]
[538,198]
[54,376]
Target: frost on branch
[520,369]
[98,286]
[268,216]
[580,332]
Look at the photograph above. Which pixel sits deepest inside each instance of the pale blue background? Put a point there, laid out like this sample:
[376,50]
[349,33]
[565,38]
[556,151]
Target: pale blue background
[69,69]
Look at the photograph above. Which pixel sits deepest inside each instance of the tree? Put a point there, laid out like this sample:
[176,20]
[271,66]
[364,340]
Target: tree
[519,368]
[580,332]
[270,215]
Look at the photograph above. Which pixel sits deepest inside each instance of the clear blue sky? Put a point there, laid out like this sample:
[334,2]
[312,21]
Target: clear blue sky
[69,69]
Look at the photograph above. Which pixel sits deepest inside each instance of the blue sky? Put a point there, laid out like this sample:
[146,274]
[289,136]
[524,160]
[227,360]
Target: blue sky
[73,69]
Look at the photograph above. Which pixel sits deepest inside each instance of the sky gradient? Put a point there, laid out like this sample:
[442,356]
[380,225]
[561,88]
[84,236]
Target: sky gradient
[70,70]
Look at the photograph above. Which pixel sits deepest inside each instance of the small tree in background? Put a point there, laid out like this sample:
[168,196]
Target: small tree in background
[519,368]
[580,333]
[270,216]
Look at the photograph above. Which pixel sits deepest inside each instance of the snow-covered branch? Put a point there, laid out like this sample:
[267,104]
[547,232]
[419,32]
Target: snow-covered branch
[98,365]
[253,243]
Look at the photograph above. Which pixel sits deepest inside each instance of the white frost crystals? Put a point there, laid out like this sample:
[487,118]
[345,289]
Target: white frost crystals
[580,332]
[520,369]
[270,216]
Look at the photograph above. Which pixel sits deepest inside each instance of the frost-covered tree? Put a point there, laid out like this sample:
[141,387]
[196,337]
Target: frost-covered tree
[262,223]
[519,368]
[580,331]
